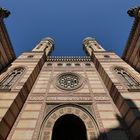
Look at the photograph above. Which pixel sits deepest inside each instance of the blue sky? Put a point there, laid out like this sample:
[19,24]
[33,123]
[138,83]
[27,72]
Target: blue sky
[68,22]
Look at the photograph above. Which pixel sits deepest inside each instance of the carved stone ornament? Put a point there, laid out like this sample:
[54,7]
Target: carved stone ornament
[69,81]
[4,13]
[134,12]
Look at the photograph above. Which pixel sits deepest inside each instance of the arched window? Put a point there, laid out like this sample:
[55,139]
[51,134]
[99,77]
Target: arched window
[127,78]
[11,78]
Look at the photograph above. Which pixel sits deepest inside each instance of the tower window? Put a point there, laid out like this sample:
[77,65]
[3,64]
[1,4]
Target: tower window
[97,46]
[106,56]
[11,78]
[30,56]
[127,79]
[39,46]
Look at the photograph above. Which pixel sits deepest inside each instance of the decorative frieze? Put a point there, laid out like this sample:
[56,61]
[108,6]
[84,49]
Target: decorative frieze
[68,58]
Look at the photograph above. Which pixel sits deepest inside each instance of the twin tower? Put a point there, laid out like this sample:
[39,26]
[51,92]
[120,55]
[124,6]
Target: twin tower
[89,44]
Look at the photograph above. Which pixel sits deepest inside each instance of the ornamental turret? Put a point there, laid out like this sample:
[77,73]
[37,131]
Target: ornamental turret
[45,45]
[90,45]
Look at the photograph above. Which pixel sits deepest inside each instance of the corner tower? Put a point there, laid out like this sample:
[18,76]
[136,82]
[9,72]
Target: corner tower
[131,52]
[16,83]
[121,80]
[7,54]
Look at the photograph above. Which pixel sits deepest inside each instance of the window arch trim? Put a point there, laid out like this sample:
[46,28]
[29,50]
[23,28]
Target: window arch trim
[5,82]
[127,78]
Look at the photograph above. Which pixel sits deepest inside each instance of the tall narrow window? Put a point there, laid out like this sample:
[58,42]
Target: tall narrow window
[127,78]
[11,78]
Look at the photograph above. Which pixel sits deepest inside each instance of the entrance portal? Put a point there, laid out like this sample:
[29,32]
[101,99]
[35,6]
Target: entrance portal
[69,127]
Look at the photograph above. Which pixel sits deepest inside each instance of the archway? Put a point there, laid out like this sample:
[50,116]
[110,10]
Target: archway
[58,115]
[69,127]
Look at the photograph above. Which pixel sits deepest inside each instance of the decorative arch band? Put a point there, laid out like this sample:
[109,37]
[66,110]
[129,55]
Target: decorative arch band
[61,110]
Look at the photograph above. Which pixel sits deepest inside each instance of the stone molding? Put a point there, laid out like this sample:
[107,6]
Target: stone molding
[61,110]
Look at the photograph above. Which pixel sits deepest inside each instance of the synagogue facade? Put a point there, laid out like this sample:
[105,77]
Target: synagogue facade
[91,97]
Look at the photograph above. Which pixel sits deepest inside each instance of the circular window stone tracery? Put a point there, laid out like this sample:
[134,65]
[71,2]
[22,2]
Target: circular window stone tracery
[68,81]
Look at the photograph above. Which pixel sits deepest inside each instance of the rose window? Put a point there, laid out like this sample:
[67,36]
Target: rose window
[68,81]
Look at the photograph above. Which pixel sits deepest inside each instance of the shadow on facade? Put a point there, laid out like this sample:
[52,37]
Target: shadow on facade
[118,133]
[66,122]
[121,132]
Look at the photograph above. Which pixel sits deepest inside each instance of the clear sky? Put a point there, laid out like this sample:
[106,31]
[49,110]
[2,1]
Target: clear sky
[68,22]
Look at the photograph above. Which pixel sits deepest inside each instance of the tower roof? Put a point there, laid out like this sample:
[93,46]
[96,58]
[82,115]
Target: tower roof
[49,39]
[88,39]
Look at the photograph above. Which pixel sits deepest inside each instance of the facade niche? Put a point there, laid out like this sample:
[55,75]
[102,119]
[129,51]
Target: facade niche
[49,64]
[126,78]
[77,64]
[11,78]
[59,64]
